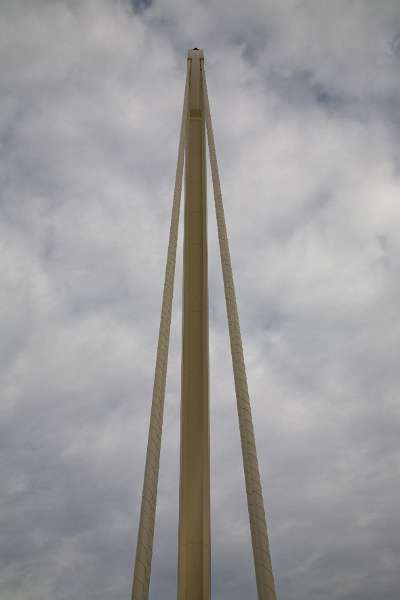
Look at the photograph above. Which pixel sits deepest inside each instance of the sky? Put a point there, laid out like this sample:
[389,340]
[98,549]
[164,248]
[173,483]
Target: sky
[305,104]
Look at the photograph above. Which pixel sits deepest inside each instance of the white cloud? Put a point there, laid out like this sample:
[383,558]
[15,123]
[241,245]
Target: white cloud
[302,96]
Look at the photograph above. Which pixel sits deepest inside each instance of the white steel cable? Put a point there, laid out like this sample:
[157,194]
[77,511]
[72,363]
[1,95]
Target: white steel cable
[258,526]
[144,548]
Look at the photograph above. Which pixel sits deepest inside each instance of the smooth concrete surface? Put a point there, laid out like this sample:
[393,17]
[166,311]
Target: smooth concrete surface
[194,505]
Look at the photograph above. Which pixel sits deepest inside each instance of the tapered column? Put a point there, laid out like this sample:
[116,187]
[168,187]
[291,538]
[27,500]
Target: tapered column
[255,502]
[194,507]
[144,547]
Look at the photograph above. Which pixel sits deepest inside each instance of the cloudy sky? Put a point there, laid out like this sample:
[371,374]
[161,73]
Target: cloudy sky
[306,108]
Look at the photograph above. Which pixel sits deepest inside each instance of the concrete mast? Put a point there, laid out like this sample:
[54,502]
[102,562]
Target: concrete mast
[194,501]
[194,504]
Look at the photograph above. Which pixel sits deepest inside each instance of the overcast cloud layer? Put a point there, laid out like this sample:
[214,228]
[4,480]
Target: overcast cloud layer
[305,102]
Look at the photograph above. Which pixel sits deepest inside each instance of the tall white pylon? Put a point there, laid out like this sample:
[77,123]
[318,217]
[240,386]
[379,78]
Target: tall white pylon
[194,512]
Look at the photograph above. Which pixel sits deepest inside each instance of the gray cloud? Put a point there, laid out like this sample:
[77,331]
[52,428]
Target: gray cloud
[304,100]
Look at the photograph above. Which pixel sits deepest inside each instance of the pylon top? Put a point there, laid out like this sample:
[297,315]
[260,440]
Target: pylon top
[195,53]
